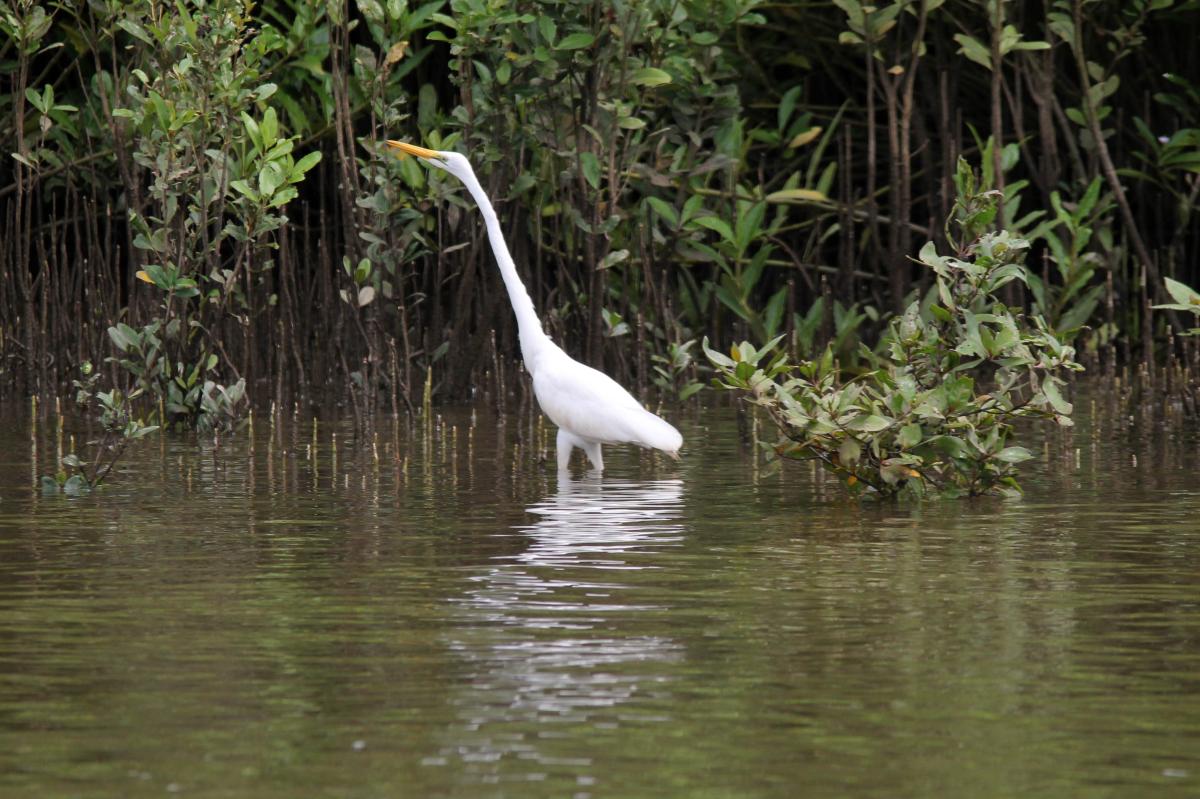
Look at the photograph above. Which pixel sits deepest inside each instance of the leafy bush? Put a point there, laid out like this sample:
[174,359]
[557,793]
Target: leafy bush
[118,429]
[220,172]
[936,414]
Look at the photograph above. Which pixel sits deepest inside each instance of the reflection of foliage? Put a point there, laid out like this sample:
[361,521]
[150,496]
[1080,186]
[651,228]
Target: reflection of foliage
[936,415]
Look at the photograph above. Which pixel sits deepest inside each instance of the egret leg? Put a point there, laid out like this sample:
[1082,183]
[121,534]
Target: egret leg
[592,448]
[565,443]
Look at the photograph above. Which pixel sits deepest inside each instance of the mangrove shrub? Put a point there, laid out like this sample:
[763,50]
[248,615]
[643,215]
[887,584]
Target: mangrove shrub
[936,413]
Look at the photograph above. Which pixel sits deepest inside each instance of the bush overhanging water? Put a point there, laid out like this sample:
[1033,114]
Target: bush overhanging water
[935,414]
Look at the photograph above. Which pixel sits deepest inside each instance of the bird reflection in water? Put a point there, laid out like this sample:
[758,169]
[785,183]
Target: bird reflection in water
[551,636]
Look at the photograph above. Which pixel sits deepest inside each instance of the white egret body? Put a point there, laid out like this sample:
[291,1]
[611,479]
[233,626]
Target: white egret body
[588,406]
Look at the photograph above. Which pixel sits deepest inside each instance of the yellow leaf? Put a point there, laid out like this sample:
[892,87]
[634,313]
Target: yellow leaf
[896,70]
[804,138]
[141,275]
[735,353]
[851,480]
[395,53]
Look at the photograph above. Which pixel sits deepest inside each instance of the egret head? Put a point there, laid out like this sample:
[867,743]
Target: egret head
[454,163]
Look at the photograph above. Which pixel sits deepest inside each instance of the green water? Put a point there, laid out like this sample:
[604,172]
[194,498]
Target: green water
[450,620]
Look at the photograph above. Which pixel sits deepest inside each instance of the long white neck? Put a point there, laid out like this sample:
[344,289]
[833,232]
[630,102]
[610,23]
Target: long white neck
[534,341]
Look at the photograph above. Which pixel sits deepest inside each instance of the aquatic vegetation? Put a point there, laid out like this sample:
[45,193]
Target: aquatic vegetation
[935,414]
[677,169]
[1186,299]
[118,428]
[220,172]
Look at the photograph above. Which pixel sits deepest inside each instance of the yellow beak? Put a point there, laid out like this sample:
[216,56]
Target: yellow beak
[413,149]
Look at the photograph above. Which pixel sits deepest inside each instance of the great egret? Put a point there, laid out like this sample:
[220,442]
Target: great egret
[589,407]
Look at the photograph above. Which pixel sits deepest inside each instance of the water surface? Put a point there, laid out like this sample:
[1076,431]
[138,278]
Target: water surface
[435,614]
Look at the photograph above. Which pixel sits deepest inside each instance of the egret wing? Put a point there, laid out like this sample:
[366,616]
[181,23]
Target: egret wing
[593,406]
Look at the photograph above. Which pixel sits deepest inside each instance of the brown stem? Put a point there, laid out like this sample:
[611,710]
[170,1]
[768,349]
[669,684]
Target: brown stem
[1106,162]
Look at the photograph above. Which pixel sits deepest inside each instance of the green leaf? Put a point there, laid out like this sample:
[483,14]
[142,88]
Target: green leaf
[664,211]
[362,271]
[547,29]
[869,423]
[720,359]
[576,41]
[649,77]
[37,101]
[613,258]
[1183,294]
[304,165]
[1054,397]
[591,169]
[796,196]
[786,105]
[974,50]
[733,303]
[910,435]
[244,187]
[1014,454]
[747,227]
[120,335]
[716,225]
[269,179]
[135,30]
[143,431]
[773,314]
[951,446]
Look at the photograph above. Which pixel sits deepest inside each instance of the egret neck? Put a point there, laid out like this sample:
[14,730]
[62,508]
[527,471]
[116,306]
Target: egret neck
[534,342]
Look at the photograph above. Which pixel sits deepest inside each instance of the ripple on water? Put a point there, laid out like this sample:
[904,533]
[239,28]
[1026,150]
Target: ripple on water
[256,622]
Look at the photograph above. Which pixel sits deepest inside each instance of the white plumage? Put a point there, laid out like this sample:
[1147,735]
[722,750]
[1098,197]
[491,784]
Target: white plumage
[588,406]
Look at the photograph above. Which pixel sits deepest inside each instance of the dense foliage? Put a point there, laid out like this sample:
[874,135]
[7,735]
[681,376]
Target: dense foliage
[936,414]
[665,171]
